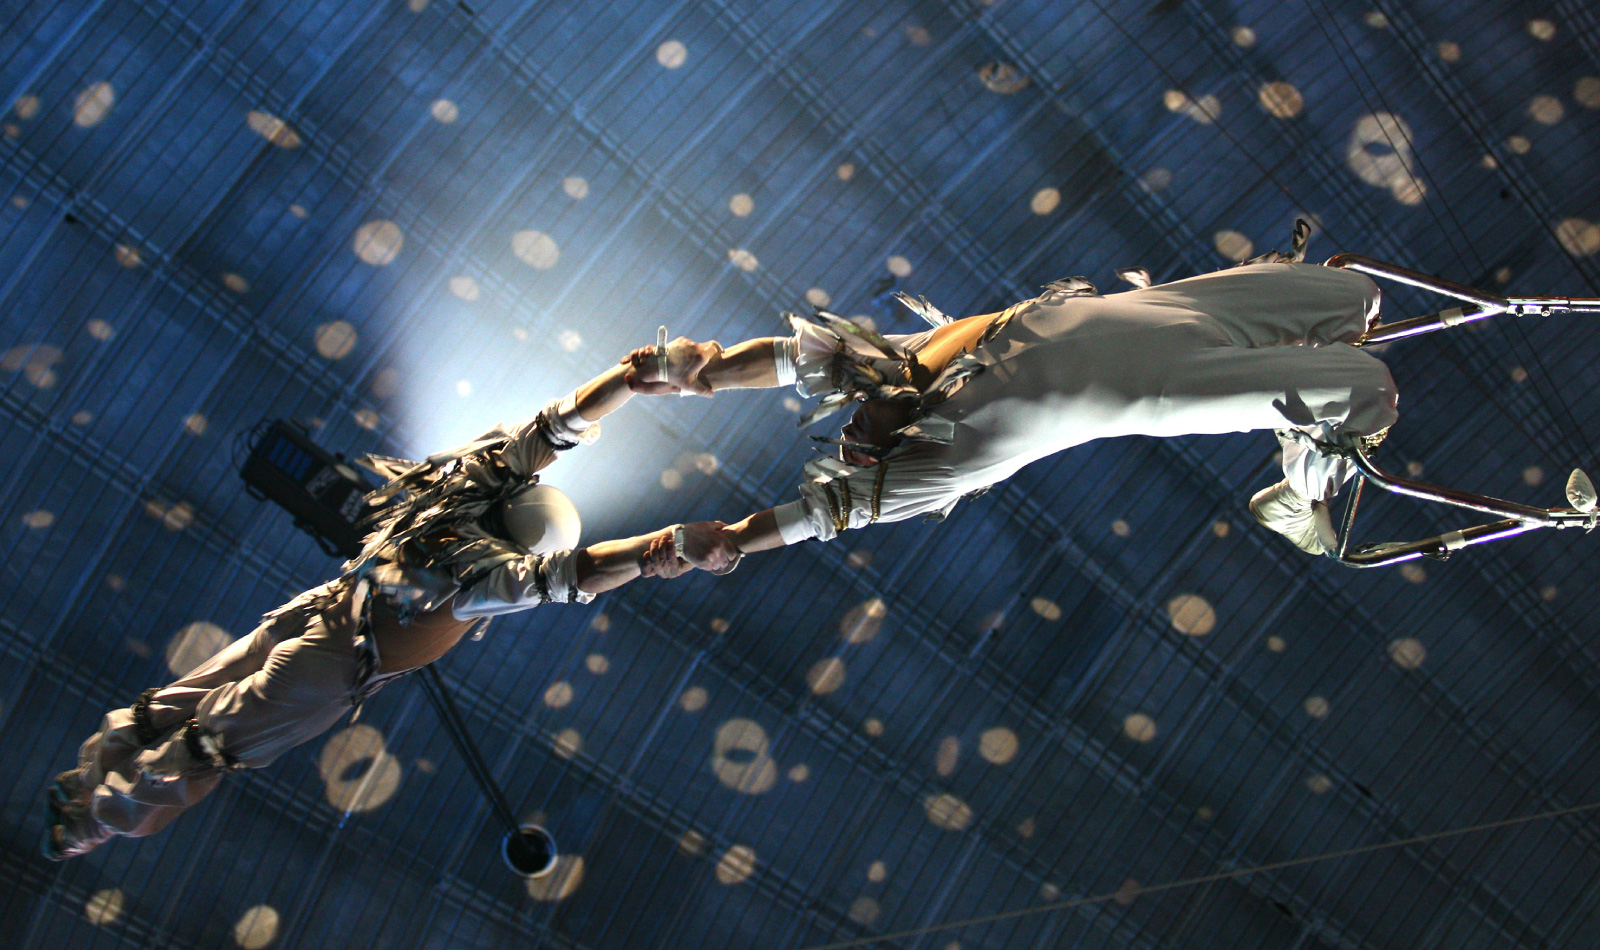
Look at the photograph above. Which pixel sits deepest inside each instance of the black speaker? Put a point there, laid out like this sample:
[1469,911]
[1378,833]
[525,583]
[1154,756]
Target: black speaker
[320,490]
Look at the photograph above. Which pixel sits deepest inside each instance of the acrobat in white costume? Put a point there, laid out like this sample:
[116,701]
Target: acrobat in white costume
[965,405]
[460,537]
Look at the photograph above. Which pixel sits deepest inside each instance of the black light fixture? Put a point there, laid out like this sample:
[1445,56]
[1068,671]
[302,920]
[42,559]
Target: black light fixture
[323,492]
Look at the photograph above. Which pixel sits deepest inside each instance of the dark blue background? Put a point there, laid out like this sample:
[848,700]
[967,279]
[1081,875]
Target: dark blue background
[1042,608]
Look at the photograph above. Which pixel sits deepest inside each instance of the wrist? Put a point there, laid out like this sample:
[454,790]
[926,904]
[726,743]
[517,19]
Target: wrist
[680,546]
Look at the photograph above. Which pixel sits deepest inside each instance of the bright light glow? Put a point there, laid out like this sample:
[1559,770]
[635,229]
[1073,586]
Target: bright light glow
[1191,614]
[998,746]
[741,759]
[948,812]
[194,644]
[567,743]
[672,54]
[736,864]
[256,928]
[536,249]
[93,105]
[359,772]
[1281,100]
[335,340]
[103,908]
[826,675]
[272,128]
[444,111]
[863,621]
[1139,727]
[378,242]
[1546,110]
[1046,608]
[1233,245]
[1204,110]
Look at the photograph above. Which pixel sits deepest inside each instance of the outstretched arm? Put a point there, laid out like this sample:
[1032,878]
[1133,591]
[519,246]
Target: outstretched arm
[610,564]
[750,365]
[611,390]
[602,396]
[705,368]
[576,576]
[759,532]
[564,422]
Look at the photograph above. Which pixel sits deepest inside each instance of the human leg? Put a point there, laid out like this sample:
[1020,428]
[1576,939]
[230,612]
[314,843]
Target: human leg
[1262,305]
[1334,389]
[295,677]
[1319,394]
[1297,506]
[124,733]
[103,795]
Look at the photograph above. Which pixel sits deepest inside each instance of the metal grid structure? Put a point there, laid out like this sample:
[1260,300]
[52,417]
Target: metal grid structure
[401,220]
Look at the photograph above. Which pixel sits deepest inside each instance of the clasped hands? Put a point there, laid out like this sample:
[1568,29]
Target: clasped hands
[685,360]
[706,546]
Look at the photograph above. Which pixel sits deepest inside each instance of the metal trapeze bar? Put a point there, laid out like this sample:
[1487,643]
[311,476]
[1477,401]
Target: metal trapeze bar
[1480,303]
[1518,518]
[1405,275]
[1438,548]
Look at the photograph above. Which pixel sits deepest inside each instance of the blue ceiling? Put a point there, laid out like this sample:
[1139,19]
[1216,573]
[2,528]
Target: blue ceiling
[399,221]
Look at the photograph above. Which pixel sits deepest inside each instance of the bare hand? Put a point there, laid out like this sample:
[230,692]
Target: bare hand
[661,560]
[709,547]
[685,360]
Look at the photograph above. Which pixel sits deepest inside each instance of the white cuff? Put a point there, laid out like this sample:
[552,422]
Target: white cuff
[561,574]
[783,356]
[793,525]
[567,426]
[565,411]
[813,353]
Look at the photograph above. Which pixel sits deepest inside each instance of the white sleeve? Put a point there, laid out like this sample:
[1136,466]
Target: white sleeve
[784,349]
[918,482]
[806,359]
[811,351]
[566,424]
[532,445]
[520,584]
[794,523]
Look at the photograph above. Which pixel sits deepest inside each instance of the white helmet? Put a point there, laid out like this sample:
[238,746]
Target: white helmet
[541,519]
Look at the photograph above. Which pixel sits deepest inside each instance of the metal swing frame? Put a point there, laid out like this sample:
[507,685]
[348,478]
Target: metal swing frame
[1515,518]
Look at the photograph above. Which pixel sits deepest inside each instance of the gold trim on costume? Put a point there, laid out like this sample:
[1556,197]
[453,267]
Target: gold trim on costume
[841,519]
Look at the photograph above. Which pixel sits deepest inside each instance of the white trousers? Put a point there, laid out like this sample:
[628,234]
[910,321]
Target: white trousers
[1291,326]
[287,682]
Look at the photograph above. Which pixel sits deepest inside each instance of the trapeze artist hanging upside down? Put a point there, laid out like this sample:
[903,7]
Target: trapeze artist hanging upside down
[461,537]
[942,414]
